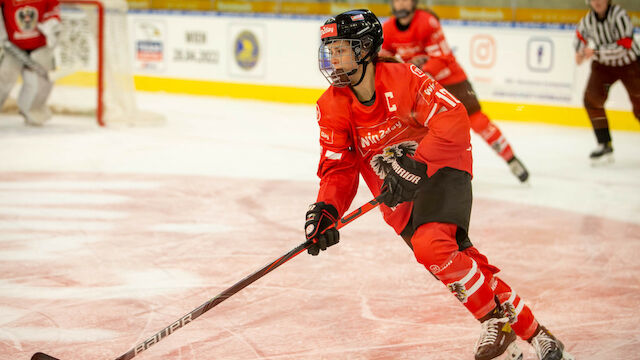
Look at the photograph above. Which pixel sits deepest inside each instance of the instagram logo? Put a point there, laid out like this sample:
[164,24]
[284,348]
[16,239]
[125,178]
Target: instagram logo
[483,51]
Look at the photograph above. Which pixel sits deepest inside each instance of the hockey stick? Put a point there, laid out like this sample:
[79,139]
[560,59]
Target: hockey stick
[230,291]
[25,59]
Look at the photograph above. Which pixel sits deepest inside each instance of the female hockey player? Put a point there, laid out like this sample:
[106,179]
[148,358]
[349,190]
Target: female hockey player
[416,36]
[606,35]
[409,138]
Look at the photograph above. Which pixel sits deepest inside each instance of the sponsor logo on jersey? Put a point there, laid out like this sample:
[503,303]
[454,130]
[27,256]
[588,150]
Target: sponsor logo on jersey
[318,114]
[371,138]
[429,90]
[247,50]
[328,31]
[326,135]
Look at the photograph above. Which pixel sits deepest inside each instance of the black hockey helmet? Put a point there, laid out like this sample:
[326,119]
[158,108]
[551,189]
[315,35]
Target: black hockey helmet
[363,31]
[359,24]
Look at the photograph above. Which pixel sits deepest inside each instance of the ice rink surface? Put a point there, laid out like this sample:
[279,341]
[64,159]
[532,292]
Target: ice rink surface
[109,235]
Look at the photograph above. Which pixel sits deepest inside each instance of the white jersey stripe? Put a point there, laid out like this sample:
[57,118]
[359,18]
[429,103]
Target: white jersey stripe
[431,113]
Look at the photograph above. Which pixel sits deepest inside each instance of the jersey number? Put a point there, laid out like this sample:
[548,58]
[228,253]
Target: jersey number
[447,97]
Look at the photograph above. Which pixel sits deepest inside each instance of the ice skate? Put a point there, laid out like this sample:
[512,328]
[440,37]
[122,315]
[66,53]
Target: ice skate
[36,117]
[497,340]
[518,169]
[547,347]
[602,155]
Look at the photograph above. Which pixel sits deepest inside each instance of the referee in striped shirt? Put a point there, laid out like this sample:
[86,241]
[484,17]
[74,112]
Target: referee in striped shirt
[606,35]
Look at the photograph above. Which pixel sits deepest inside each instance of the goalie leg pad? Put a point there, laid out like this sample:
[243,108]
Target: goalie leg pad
[32,100]
[9,72]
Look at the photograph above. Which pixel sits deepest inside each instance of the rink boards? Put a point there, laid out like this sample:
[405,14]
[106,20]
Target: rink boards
[521,71]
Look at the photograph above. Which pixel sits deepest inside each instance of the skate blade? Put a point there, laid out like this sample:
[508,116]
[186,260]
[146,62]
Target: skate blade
[513,352]
[567,356]
[603,160]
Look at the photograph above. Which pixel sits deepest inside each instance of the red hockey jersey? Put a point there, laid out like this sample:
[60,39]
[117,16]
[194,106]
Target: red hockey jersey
[21,19]
[424,36]
[411,112]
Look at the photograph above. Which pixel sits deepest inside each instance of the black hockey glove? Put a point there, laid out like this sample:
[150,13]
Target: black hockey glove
[403,180]
[319,217]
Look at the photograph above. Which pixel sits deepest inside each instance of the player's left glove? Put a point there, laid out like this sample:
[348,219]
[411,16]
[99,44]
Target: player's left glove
[319,217]
[405,177]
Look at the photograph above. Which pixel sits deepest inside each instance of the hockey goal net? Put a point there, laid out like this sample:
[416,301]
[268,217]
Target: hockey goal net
[94,75]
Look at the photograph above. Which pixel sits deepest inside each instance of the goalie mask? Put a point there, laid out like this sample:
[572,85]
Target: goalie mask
[349,40]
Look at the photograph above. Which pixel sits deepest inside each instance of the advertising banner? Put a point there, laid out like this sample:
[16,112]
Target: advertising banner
[505,62]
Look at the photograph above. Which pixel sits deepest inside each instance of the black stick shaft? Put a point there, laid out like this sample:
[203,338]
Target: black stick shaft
[239,286]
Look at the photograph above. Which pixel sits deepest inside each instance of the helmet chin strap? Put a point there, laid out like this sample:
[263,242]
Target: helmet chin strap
[364,63]
[364,71]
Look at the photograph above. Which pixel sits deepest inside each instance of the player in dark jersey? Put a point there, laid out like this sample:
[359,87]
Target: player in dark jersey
[416,36]
[409,139]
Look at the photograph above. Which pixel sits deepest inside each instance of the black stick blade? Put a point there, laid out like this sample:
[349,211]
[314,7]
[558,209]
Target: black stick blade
[41,356]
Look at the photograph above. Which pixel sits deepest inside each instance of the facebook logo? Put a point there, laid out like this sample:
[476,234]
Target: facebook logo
[540,54]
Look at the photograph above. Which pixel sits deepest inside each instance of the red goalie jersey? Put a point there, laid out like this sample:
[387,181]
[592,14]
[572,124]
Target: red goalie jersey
[21,19]
[411,113]
[423,37]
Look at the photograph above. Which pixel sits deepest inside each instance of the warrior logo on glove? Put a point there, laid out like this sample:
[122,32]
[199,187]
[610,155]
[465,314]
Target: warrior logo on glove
[402,174]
